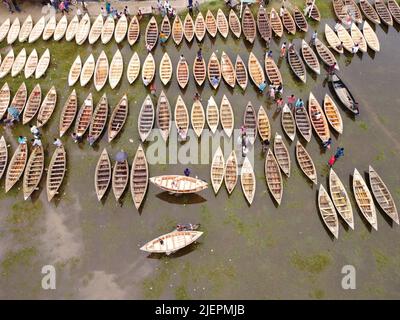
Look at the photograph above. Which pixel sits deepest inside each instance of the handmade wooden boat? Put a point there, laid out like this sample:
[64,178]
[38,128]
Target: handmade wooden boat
[273,177]
[371,37]
[351,6]
[43,64]
[120,178]
[133,68]
[165,69]
[300,20]
[84,116]
[181,116]
[102,176]
[26,29]
[231,172]
[31,64]
[4,28]
[107,30]
[217,170]
[50,28]
[318,119]
[288,122]
[116,69]
[83,30]
[263,25]
[179,184]
[212,115]
[369,11]
[343,93]
[197,117]
[171,242]
[151,35]
[339,9]
[305,162]
[72,28]
[56,172]
[19,63]
[16,166]
[139,177]
[148,69]
[7,63]
[310,57]
[288,22]
[37,30]
[199,27]
[297,65]
[332,39]
[19,99]
[87,70]
[282,154]
[33,171]
[228,70]
[383,12]
[75,71]
[303,123]
[199,71]
[68,113]
[3,156]
[177,30]
[250,122]
[272,71]
[211,24]
[101,71]
[146,118]
[166,28]
[47,107]
[61,28]
[241,73]
[276,23]
[248,180]
[95,31]
[263,125]
[382,195]
[248,25]
[325,54]
[340,198]
[328,212]
[234,24]
[99,119]
[13,31]
[133,31]
[222,24]
[182,72]
[5,96]
[163,116]
[345,38]
[364,199]
[314,12]
[227,116]
[214,71]
[332,114]
[256,71]
[118,118]
[120,29]
[394,9]
[188,28]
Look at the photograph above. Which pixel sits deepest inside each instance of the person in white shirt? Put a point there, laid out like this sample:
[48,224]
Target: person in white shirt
[337,26]
[35,131]
[282,11]
[355,48]
[57,142]
[36,142]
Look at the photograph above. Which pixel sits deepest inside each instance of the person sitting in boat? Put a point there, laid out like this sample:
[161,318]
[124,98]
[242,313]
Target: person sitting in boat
[317,115]
[282,11]
[332,68]
[265,145]
[291,48]
[163,38]
[145,81]
[57,142]
[91,140]
[199,55]
[182,134]
[262,86]
[269,54]
[299,104]
[355,49]
[36,142]
[327,143]
[186,172]
[21,140]
[214,80]
[355,108]
[340,46]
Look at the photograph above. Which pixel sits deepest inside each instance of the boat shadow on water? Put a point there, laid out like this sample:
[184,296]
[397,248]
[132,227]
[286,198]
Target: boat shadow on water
[180,253]
[181,199]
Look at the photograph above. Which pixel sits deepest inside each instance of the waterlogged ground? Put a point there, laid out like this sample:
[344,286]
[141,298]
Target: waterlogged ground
[260,252]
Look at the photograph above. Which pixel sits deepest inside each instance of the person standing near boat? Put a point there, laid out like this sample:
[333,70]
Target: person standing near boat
[327,143]
[355,49]
[57,142]
[269,54]
[186,172]
[35,131]
[279,104]
[282,11]
[339,152]
[313,38]
[283,50]
[332,68]
[291,100]
[262,86]
[22,140]
[199,54]
[36,142]
[299,104]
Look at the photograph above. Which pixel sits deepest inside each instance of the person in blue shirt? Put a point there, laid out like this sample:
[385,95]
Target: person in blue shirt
[21,140]
[187,172]
[299,104]
[262,86]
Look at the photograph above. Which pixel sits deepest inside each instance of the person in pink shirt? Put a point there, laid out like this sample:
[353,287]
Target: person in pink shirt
[291,101]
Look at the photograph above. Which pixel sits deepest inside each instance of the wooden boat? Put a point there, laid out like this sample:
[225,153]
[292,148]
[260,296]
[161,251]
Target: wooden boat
[325,54]
[214,71]
[297,65]
[228,70]
[47,107]
[310,57]
[181,116]
[163,116]
[303,123]
[50,28]
[118,118]
[99,119]
[300,20]
[345,38]
[272,71]
[120,29]
[371,37]
[351,6]
[222,24]
[13,31]
[56,172]
[33,171]
[273,177]
[248,25]
[171,242]
[314,13]
[263,25]
[328,212]
[394,9]
[146,118]
[199,27]
[227,116]
[305,162]
[37,30]
[148,70]
[250,122]
[133,31]
[19,99]
[87,70]
[217,170]
[75,71]
[182,72]
[179,184]
[212,115]
[72,28]
[332,39]
[339,9]
[343,93]
[120,178]
[5,96]
[165,69]
[256,71]
[7,63]
[369,11]
[16,166]
[95,31]
[68,113]
[61,28]
[197,117]
[19,63]
[211,24]
[288,22]
[43,64]
[165,27]
[116,69]
[83,30]
[188,28]
[241,73]
[84,116]
[288,123]
[340,198]
[3,156]
[382,195]
[4,28]
[101,71]
[139,177]
[364,199]
[231,172]
[102,176]
[263,124]
[199,71]
[234,24]
[318,119]
[177,30]
[26,29]
[151,35]
[108,30]
[248,180]
[276,23]
[31,64]
[282,154]
[383,12]
[133,68]
[332,114]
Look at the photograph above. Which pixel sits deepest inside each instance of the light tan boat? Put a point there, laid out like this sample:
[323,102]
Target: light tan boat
[139,177]
[234,24]
[339,9]
[181,116]
[332,114]
[305,162]
[273,177]
[222,24]
[99,119]
[264,25]
[358,38]
[214,71]
[197,117]
[328,212]
[179,184]
[118,118]
[188,28]
[288,22]
[84,116]
[282,154]
[56,172]
[383,12]
[5,96]
[120,29]
[231,172]
[13,31]
[318,119]
[47,107]
[263,124]
[200,27]
[325,54]
[345,38]
[276,23]
[43,64]
[369,11]
[227,116]
[297,65]
[83,30]
[256,71]
[26,29]
[61,28]
[133,68]
[211,24]
[332,39]
[68,113]
[250,122]
[49,29]
[199,71]
[7,63]
[4,28]
[288,122]
[146,118]
[133,31]
[37,30]
[31,64]
[165,27]
[72,28]
[228,70]
[120,178]
[33,171]
[151,35]
[249,25]
[75,71]
[3,156]
[19,63]
[182,72]
[371,37]
[248,180]
[272,71]
[102,176]
[16,166]
[148,69]
[107,31]
[177,30]
[217,170]
[212,115]
[163,116]
[310,57]
[116,69]
[32,104]
[95,31]
[19,99]
[351,6]
[165,69]
[87,70]
[242,77]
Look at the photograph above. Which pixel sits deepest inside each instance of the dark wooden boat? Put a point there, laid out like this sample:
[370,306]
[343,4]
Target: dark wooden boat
[314,13]
[296,64]
[68,113]
[139,177]
[282,154]
[47,107]
[288,123]
[214,70]
[177,30]
[16,166]
[200,27]
[305,162]
[222,24]
[146,118]
[263,25]
[165,27]
[231,172]
[248,25]
[211,24]
[199,71]
[120,178]
[394,9]
[102,176]
[133,31]
[118,118]
[369,11]
[325,54]
[300,20]
[84,115]
[188,28]
[182,72]
[318,119]
[273,177]
[272,71]
[250,122]
[32,104]
[383,12]
[276,23]
[151,35]
[339,9]
[99,119]
[288,22]
[3,156]
[33,171]
[303,123]
[343,93]
[163,116]
[234,24]
[19,99]
[56,172]
[241,73]
[310,57]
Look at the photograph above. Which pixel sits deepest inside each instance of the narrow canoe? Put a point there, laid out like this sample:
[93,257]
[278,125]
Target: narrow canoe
[328,212]
[165,69]
[272,71]
[116,69]
[263,24]
[343,93]
[120,29]
[340,198]
[234,24]
[16,166]
[118,118]
[214,71]
[163,116]
[273,177]
[228,70]
[19,63]
[99,119]
[227,116]
[120,178]
[151,35]
[146,118]
[217,170]
[75,71]
[212,115]
[133,68]
[250,122]
[61,28]
[276,23]
[231,172]
[68,113]
[394,9]
[325,54]
[50,28]
[310,57]
[148,69]
[56,172]
[177,30]
[133,31]
[288,123]
[255,70]
[383,12]
[199,71]
[248,25]
[369,12]
[303,123]
[108,30]
[7,63]
[305,162]
[31,64]
[166,28]
[95,31]
[188,28]
[351,5]
[102,176]
[101,71]
[248,180]
[181,116]
[332,39]
[242,77]
[179,184]
[83,30]
[282,154]
[197,117]
[345,38]
[318,119]
[3,156]
[332,114]
[300,20]
[84,116]
[182,72]
[87,70]
[222,24]
[37,30]
[314,12]
[200,27]
[371,37]
[339,9]
[139,177]
[26,29]
[13,31]
[43,64]
[211,24]
[297,65]
[72,28]
[33,171]
[263,125]
[5,96]
[288,22]
[47,107]
[4,28]
[19,99]
[382,195]
[364,199]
